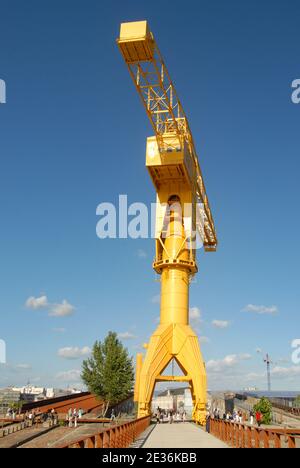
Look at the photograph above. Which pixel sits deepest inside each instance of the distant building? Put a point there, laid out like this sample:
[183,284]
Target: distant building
[59,392]
[8,397]
[31,393]
[176,399]
[50,393]
[284,398]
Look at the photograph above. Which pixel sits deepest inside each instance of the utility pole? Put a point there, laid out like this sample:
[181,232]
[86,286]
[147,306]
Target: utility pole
[268,361]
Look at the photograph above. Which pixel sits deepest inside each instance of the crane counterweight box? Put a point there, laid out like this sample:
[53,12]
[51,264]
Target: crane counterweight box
[136,42]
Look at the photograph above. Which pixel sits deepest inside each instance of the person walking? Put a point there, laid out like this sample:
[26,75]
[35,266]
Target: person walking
[70,417]
[207,422]
[112,416]
[251,417]
[75,417]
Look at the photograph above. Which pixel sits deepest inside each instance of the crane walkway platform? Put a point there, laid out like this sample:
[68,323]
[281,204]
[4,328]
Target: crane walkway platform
[181,435]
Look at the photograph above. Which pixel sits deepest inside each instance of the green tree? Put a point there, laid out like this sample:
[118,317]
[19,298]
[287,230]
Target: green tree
[296,402]
[108,373]
[265,407]
[16,405]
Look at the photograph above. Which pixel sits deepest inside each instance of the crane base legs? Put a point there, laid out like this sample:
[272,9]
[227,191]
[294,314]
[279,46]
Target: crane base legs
[179,342]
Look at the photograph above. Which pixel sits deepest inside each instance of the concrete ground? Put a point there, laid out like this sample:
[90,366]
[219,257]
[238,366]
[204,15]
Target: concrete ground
[181,435]
[16,438]
[62,435]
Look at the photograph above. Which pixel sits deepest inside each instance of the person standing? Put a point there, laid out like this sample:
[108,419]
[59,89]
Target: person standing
[112,416]
[251,417]
[207,423]
[75,417]
[258,417]
[70,417]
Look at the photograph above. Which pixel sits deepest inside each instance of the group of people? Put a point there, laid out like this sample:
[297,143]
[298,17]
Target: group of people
[169,416]
[237,417]
[35,416]
[11,413]
[72,417]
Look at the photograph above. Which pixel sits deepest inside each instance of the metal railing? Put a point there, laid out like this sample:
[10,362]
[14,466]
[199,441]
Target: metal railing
[119,436]
[288,409]
[244,436]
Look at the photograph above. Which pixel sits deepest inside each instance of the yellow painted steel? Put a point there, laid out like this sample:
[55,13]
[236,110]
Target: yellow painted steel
[173,165]
[139,363]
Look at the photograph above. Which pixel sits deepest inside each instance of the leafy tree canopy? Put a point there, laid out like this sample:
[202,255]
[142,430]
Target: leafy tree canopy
[265,407]
[108,373]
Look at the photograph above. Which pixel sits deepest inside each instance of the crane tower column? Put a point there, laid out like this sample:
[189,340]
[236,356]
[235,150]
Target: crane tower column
[173,166]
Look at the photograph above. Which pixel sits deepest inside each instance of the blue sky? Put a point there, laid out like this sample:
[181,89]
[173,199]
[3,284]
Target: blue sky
[72,135]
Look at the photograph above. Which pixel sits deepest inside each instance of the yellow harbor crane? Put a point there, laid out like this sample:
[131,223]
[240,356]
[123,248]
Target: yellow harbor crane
[182,210]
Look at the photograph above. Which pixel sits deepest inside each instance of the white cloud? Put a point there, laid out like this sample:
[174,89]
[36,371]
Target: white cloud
[245,356]
[55,310]
[286,372]
[220,364]
[126,336]
[220,323]
[35,379]
[59,330]
[69,376]
[283,360]
[73,352]
[204,339]
[258,350]
[141,253]
[23,366]
[261,309]
[228,361]
[195,314]
[156,299]
[253,376]
[61,310]
[36,303]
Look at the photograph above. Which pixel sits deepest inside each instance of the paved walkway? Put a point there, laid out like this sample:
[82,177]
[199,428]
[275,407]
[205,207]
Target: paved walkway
[181,435]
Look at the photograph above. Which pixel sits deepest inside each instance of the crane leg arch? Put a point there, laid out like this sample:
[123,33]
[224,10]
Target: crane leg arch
[179,342]
[174,338]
